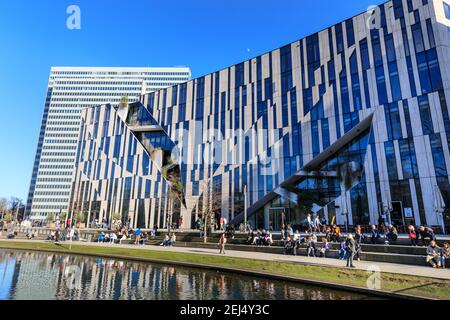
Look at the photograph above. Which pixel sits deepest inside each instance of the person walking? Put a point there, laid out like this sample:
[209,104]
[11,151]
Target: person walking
[317,224]
[310,223]
[358,243]
[222,242]
[351,248]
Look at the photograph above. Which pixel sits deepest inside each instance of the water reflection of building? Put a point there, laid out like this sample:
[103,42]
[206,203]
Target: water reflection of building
[6,276]
[42,273]
[40,276]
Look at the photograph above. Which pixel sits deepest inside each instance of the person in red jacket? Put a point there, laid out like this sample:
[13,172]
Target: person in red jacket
[412,235]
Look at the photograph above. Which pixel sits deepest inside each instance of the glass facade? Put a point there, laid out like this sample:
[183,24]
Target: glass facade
[269,122]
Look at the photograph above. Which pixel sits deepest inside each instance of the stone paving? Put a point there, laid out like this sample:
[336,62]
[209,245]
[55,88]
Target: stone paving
[362,265]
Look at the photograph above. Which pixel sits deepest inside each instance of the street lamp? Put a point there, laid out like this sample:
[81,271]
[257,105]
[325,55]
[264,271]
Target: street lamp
[245,208]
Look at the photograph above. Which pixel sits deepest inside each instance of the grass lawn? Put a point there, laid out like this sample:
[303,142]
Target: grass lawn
[412,285]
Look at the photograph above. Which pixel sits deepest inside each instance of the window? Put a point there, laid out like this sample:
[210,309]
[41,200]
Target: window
[447,10]
[390,48]
[307,100]
[344,93]
[429,72]
[315,137]
[350,33]
[398,9]
[339,38]
[438,155]
[325,133]
[376,48]
[418,37]
[430,33]
[395,81]
[365,61]
[393,124]
[390,160]
[357,104]
[425,115]
[381,85]
[408,158]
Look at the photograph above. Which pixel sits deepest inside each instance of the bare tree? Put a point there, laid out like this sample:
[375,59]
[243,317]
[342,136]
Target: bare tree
[212,203]
[3,206]
[16,207]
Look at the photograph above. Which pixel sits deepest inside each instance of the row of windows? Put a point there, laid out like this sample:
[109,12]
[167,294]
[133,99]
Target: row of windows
[87,100]
[128,73]
[52,193]
[54,180]
[61,129]
[52,147]
[63,117]
[58,160]
[55,173]
[99,94]
[53,186]
[162,82]
[61,135]
[96,89]
[49,200]
[60,141]
[63,123]
[59,154]
[50,207]
[65,110]
[55,166]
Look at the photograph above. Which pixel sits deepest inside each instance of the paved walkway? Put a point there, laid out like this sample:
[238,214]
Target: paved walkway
[362,265]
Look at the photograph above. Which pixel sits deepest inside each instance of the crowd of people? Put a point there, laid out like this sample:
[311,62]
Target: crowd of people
[349,247]
[66,234]
[123,233]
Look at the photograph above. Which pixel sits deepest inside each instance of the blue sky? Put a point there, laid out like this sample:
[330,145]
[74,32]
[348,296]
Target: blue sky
[206,35]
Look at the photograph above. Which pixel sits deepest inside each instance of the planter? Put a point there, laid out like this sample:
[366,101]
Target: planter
[82,225]
[52,225]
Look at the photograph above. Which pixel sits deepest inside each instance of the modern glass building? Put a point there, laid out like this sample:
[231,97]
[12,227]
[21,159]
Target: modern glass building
[351,123]
[71,89]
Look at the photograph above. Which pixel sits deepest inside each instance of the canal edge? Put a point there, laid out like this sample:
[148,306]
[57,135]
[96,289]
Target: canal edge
[259,274]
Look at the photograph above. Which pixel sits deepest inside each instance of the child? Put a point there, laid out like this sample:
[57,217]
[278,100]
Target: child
[342,251]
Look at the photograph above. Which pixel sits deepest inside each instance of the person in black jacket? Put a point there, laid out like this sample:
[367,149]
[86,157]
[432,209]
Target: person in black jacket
[289,246]
[434,254]
[426,233]
[358,243]
[351,248]
[374,234]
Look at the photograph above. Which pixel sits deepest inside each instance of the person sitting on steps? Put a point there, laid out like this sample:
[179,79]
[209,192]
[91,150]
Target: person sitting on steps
[434,255]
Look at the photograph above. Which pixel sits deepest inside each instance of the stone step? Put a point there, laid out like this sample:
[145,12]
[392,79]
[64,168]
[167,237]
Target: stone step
[406,259]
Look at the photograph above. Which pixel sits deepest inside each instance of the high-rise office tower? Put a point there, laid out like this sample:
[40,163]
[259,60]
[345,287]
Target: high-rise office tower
[71,89]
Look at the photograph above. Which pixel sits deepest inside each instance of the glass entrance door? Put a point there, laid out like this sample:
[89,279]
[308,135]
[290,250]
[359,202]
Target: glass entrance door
[277,217]
[397,218]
